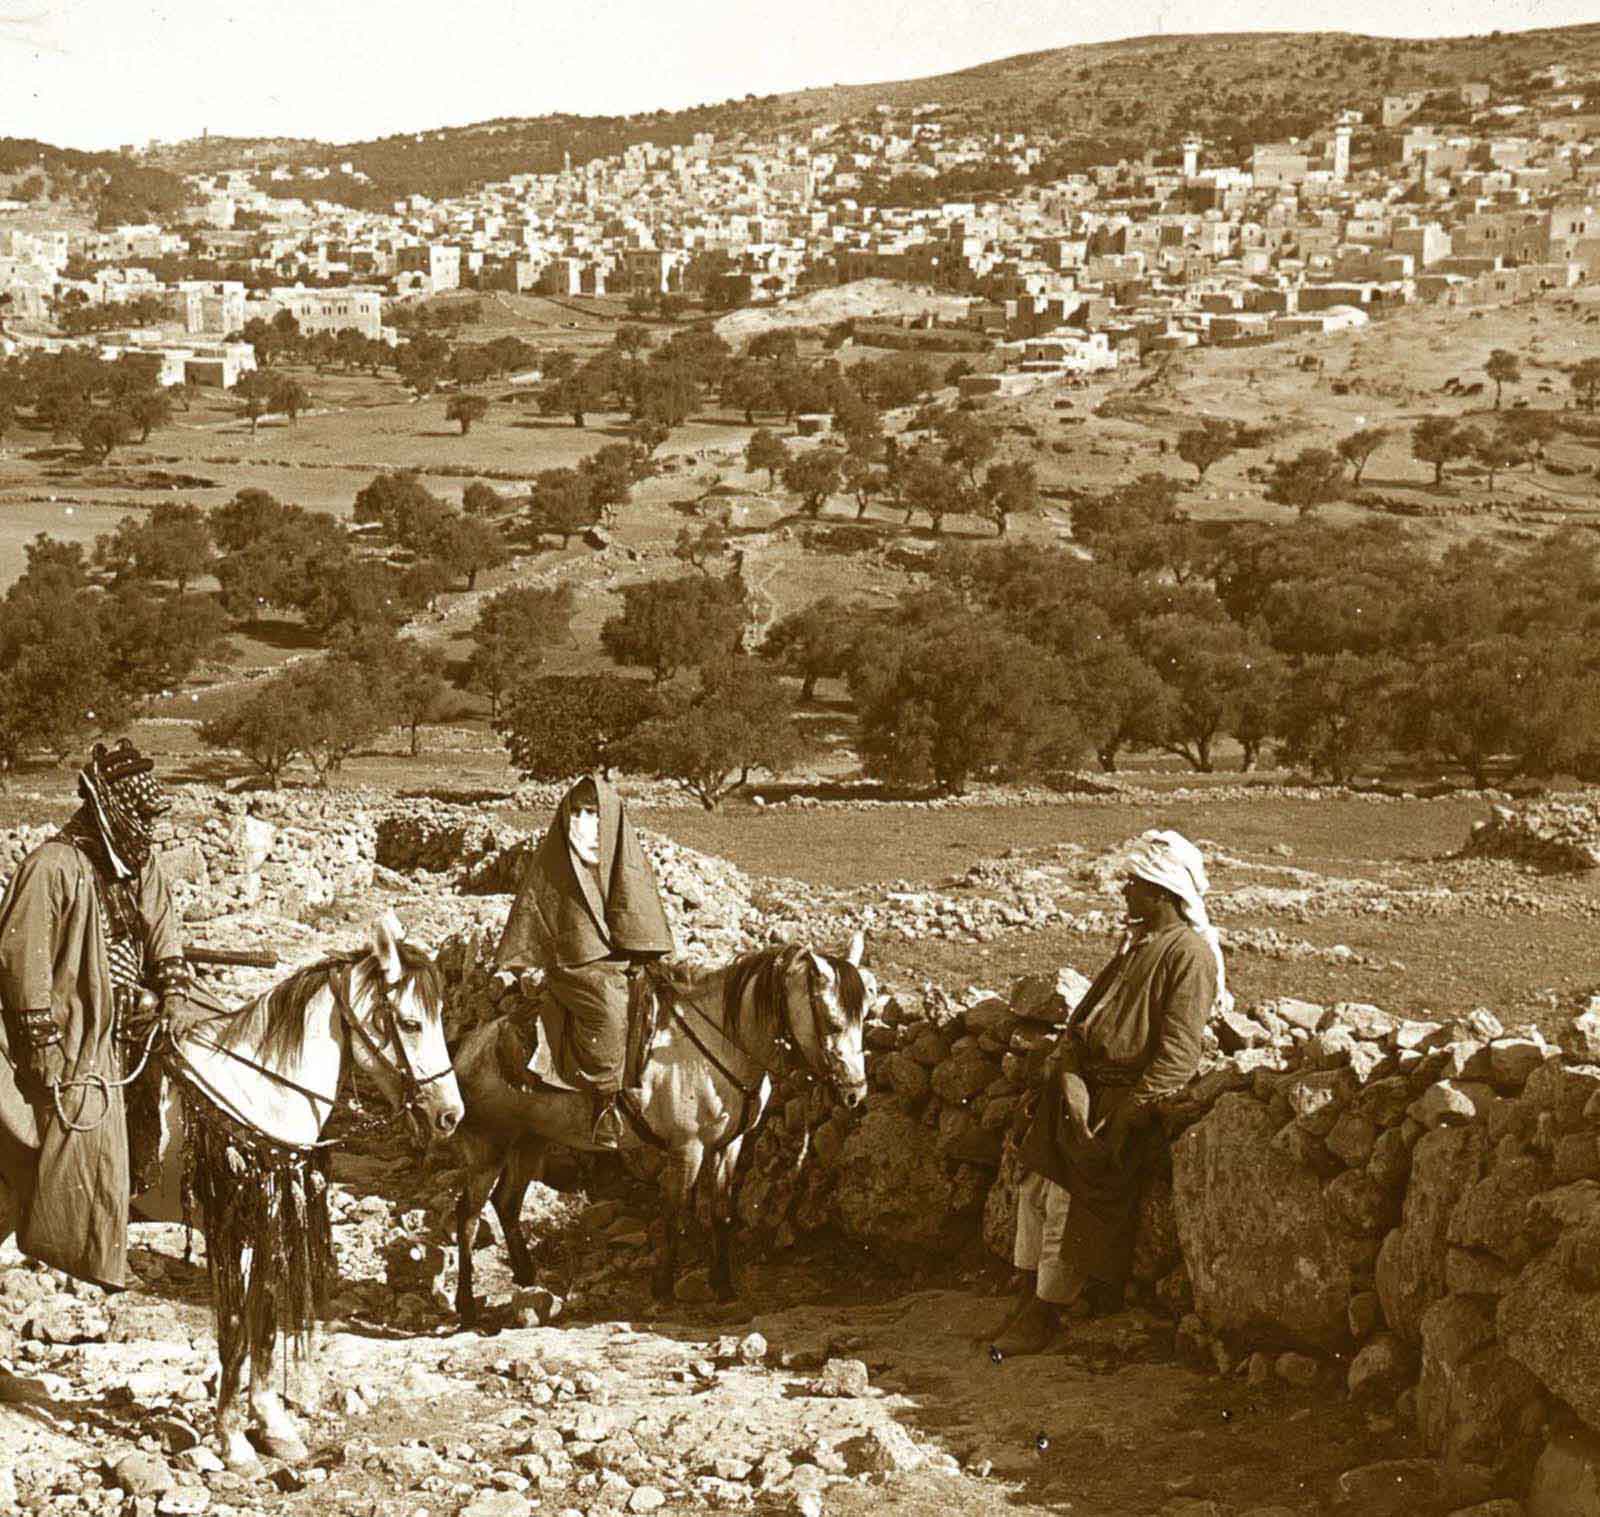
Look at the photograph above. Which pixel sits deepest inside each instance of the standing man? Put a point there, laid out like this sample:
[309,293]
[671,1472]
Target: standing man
[589,915]
[86,923]
[1133,1041]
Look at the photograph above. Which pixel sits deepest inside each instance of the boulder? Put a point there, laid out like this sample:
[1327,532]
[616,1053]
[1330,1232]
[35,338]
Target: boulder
[1360,1204]
[1384,1367]
[893,1191]
[1553,1331]
[1449,1103]
[1411,1263]
[1307,1016]
[1471,1398]
[1261,1251]
[963,1075]
[906,1076]
[1046,998]
[1491,1214]
[1394,1488]
[1352,1139]
[1566,1480]
[1581,1039]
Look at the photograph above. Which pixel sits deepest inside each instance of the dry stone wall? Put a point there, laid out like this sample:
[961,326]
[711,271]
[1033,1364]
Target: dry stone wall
[1560,834]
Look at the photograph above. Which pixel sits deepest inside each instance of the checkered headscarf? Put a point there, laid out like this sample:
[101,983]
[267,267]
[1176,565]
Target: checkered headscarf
[121,795]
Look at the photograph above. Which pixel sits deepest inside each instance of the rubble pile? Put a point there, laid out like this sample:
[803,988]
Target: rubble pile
[277,853]
[1559,835]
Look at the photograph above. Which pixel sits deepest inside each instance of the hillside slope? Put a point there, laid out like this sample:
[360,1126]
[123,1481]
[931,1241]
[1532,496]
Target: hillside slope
[1232,88]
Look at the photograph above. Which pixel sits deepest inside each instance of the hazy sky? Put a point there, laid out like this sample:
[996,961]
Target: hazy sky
[97,73]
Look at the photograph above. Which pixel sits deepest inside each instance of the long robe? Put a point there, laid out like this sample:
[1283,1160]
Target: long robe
[583,927]
[53,953]
[1134,1039]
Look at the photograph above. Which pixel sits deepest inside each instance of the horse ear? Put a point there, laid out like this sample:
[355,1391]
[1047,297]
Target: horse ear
[822,966]
[858,944]
[387,935]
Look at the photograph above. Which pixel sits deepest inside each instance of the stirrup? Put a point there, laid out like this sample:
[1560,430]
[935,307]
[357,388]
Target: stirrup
[609,1125]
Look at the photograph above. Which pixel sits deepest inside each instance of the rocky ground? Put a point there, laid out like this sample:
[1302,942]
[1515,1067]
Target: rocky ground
[824,1391]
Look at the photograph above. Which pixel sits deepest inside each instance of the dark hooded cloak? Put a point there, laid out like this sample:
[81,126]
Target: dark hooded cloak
[583,926]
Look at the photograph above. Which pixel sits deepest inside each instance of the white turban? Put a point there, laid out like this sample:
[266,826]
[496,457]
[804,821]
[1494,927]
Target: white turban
[1170,860]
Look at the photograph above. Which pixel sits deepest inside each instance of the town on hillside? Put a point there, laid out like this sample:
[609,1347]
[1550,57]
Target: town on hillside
[1475,194]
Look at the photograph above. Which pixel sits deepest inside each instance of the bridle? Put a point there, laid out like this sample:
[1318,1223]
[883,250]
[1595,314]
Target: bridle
[411,1083]
[785,1041]
[340,987]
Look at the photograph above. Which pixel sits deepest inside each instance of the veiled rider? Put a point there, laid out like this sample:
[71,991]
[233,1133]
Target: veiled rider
[86,925]
[589,915]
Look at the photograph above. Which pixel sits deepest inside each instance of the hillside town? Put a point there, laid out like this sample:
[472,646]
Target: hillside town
[1466,196]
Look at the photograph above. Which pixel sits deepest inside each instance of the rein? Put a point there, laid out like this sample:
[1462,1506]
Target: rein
[785,1041]
[103,1085]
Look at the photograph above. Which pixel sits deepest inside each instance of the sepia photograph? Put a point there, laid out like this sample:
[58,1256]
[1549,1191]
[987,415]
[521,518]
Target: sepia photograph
[831,760]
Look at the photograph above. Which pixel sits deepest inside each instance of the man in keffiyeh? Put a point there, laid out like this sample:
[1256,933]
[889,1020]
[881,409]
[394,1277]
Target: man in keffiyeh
[1133,1040]
[87,927]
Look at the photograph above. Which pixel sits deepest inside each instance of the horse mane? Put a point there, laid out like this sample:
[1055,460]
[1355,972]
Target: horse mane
[760,976]
[275,1022]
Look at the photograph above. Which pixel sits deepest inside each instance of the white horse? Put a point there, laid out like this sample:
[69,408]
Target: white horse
[246,1103]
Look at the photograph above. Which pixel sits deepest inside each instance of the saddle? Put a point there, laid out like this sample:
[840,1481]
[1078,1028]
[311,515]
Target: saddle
[533,1050]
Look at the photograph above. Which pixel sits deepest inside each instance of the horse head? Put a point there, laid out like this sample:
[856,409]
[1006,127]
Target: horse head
[397,1017]
[839,992]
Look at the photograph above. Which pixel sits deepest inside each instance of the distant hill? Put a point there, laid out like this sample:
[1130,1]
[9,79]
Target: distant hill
[113,188]
[1113,99]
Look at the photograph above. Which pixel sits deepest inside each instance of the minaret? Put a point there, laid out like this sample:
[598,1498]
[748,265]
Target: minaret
[1191,157]
[1341,154]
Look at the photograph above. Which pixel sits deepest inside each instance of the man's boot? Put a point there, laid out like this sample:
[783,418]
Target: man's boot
[1033,1331]
[1027,1284]
[608,1123]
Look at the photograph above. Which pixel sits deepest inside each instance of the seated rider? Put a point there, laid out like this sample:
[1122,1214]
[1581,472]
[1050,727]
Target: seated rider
[588,914]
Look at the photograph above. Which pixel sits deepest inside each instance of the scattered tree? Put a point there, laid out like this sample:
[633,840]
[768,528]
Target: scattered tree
[765,450]
[1308,481]
[671,624]
[1205,445]
[1503,368]
[738,719]
[1357,449]
[558,726]
[815,642]
[466,409]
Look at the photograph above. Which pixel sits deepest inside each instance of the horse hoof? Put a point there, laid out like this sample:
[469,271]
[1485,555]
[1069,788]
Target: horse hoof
[241,1459]
[289,1447]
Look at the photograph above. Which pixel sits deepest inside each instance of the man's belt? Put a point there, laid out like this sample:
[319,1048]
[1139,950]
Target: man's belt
[1112,1075]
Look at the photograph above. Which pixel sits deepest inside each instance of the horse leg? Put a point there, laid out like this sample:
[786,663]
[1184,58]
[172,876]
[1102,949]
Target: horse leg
[276,1435]
[678,1178]
[238,1453]
[525,1164]
[724,1193]
[469,1212]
